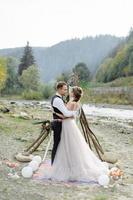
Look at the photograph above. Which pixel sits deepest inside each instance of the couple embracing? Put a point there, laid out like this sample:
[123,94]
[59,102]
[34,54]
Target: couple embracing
[72,159]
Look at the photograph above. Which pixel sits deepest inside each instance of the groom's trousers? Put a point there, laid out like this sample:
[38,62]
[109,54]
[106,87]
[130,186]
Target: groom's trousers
[57,127]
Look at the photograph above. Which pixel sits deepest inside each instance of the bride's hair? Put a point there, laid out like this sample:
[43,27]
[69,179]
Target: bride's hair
[78,92]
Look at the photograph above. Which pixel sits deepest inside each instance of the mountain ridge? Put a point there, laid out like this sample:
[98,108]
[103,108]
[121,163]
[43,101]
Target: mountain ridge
[63,56]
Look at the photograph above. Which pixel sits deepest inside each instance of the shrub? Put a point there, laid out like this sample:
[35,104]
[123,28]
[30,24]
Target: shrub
[47,91]
[32,95]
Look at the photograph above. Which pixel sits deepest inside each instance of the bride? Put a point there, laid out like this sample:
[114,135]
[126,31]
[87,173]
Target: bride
[74,160]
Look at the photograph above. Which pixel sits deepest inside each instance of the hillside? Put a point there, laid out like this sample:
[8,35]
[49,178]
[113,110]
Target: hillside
[65,55]
[121,82]
[119,63]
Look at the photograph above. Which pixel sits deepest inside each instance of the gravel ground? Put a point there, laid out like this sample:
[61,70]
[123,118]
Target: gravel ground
[16,134]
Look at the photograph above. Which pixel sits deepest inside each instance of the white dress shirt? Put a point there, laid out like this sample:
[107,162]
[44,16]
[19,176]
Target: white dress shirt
[58,103]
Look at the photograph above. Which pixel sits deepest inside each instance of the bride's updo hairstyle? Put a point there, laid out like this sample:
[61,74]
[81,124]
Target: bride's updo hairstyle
[77,92]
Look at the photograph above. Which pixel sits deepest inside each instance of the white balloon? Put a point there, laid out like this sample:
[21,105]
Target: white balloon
[27,172]
[34,165]
[37,158]
[103,180]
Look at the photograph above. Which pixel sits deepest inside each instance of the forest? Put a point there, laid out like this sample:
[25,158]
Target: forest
[102,61]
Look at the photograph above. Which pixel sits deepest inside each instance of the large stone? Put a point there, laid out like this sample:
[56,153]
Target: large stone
[23,157]
[109,157]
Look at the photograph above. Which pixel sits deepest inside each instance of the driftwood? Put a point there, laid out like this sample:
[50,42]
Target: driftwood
[93,142]
[43,135]
[26,156]
[90,137]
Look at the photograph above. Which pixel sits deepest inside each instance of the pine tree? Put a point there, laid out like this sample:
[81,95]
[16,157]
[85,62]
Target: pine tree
[27,59]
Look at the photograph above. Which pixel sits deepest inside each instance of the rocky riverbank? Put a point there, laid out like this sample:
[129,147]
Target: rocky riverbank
[17,132]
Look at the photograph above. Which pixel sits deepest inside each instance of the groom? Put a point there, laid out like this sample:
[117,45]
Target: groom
[59,107]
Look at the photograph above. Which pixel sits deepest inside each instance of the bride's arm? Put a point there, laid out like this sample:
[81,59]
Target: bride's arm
[70,106]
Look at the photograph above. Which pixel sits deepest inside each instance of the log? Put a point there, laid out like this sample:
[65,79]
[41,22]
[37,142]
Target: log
[89,135]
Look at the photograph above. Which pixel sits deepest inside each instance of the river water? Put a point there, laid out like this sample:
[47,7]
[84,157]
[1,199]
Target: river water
[118,113]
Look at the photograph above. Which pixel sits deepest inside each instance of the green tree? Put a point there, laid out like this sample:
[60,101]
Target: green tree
[47,91]
[30,79]
[11,84]
[102,73]
[130,36]
[3,72]
[27,59]
[116,67]
[82,71]
[131,64]
[64,76]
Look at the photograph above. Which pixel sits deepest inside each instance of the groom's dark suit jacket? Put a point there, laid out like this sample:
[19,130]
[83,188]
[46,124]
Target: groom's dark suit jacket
[56,109]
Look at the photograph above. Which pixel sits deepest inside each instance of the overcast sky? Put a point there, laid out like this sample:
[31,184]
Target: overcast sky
[47,22]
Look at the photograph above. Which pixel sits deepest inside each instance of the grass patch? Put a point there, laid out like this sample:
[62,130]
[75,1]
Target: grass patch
[101,197]
[93,84]
[18,119]
[119,91]
[102,96]
[10,97]
[5,129]
[121,82]
[32,95]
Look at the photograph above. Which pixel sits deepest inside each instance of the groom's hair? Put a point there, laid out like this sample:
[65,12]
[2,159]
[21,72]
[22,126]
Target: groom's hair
[60,84]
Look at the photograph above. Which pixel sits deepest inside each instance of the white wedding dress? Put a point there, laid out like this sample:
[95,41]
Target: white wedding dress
[74,160]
